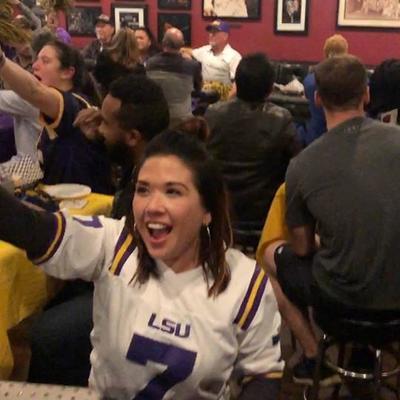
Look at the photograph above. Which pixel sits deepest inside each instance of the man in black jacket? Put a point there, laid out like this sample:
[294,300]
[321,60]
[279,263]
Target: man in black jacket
[252,140]
[104,33]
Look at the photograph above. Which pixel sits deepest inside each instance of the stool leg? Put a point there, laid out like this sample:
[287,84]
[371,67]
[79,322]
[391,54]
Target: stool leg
[342,349]
[322,346]
[377,373]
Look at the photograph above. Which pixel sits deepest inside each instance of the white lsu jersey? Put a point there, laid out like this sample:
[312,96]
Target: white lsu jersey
[165,339]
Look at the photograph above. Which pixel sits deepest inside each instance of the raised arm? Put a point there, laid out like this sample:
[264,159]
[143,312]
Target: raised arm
[30,15]
[46,99]
[23,227]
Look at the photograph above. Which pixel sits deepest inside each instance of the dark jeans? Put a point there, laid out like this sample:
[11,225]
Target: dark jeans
[60,339]
[295,277]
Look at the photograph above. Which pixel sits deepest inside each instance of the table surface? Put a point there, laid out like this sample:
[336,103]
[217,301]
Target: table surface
[31,391]
[24,288]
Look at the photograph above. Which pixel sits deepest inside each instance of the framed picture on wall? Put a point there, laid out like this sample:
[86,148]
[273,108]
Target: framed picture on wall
[368,14]
[180,21]
[291,16]
[81,21]
[175,4]
[244,9]
[129,16]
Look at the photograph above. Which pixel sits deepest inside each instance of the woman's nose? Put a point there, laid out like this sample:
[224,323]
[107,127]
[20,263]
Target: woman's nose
[155,203]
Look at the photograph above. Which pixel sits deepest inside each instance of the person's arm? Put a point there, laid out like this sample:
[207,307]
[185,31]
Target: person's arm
[30,15]
[46,99]
[59,244]
[186,52]
[259,359]
[90,54]
[301,224]
[233,65]
[302,239]
[14,105]
[197,78]
[88,121]
[24,227]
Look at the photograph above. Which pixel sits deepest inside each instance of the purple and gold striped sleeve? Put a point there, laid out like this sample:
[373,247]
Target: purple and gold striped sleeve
[123,249]
[258,326]
[55,235]
[252,299]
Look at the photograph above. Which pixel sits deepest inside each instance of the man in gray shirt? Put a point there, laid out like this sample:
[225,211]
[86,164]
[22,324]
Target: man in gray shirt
[344,187]
[177,76]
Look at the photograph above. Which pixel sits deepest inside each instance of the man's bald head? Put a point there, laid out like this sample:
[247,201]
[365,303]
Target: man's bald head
[173,40]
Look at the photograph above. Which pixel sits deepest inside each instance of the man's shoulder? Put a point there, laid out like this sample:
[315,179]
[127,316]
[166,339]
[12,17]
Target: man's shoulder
[309,80]
[93,44]
[206,47]
[154,60]
[190,63]
[172,63]
[222,107]
[374,124]
[276,112]
[92,47]
[200,51]
[230,51]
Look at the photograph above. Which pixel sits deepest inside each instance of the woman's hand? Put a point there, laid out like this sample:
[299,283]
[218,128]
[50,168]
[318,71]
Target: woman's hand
[88,121]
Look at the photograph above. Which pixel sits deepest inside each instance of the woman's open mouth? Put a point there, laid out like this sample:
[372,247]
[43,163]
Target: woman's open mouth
[157,230]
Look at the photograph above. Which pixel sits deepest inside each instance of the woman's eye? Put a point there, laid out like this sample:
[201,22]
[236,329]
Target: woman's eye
[173,192]
[141,189]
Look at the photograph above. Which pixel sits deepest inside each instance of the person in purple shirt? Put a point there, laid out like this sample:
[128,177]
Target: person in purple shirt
[53,24]
[335,45]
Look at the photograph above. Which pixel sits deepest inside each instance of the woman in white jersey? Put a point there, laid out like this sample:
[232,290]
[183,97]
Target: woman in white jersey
[177,313]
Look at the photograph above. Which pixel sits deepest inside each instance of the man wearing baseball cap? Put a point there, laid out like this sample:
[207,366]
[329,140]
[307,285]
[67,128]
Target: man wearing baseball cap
[219,60]
[104,33]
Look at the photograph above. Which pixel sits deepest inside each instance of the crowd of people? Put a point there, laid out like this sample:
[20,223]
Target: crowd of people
[160,302]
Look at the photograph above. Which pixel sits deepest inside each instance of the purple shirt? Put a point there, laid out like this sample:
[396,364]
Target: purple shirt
[63,35]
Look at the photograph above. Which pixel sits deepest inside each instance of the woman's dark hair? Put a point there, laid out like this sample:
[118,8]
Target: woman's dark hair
[107,70]
[384,87]
[196,126]
[154,47]
[209,182]
[71,57]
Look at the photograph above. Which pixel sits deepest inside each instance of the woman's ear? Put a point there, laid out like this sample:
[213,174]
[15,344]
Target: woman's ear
[68,73]
[207,219]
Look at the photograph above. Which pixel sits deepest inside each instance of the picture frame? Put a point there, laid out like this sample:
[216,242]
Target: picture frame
[291,17]
[129,15]
[175,4]
[241,9]
[81,20]
[373,14]
[181,21]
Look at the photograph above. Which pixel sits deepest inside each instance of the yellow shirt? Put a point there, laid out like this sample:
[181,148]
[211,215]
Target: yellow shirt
[275,226]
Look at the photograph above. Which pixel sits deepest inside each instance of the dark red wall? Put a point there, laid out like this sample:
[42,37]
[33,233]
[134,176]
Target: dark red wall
[372,46]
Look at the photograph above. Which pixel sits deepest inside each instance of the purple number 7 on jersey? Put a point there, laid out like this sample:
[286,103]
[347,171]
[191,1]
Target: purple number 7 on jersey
[179,362]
